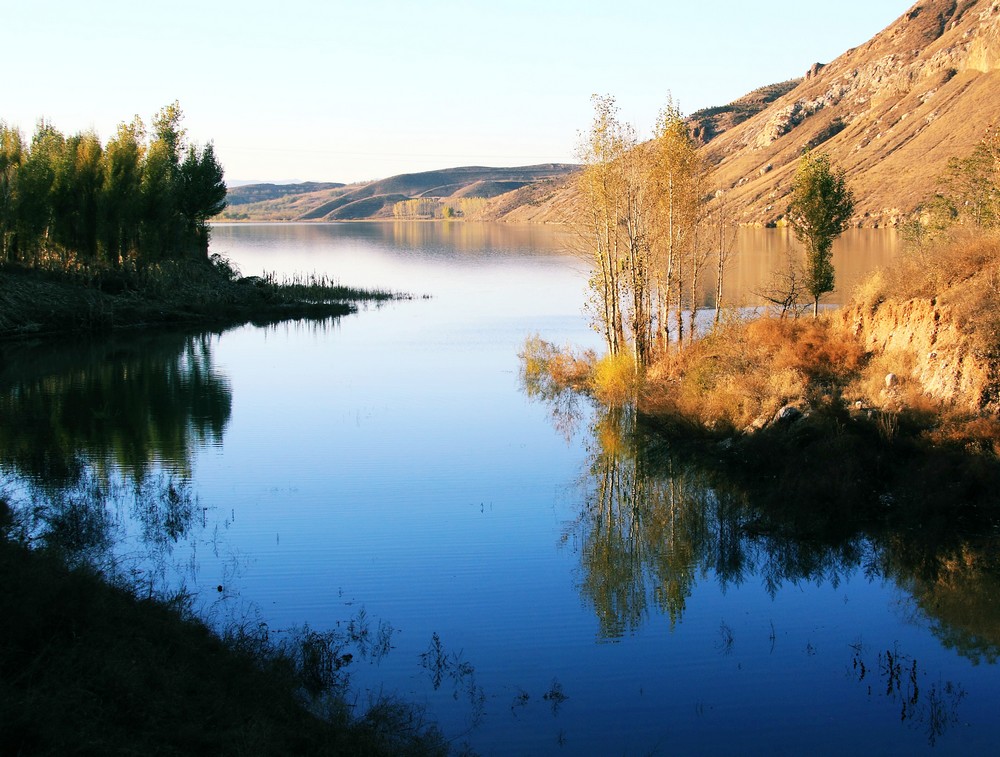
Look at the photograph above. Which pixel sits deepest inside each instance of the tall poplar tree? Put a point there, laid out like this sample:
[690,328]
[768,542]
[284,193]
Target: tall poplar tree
[11,155]
[677,177]
[201,195]
[36,180]
[821,206]
[121,198]
[600,185]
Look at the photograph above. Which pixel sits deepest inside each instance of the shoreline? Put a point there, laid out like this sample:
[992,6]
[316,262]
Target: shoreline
[37,303]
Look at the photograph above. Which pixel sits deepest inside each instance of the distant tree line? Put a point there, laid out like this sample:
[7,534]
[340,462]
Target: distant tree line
[434,207]
[139,197]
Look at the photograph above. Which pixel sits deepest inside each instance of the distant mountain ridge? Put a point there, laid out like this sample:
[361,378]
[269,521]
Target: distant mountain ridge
[261,192]
[382,198]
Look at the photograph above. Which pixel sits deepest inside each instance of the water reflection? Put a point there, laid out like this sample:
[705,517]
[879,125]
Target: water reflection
[656,519]
[98,437]
[476,238]
[127,403]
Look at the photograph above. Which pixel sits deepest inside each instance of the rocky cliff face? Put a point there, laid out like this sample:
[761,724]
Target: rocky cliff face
[938,356]
[891,113]
[709,123]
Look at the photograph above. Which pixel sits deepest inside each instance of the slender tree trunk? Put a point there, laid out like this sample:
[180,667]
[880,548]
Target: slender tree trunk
[679,304]
[720,270]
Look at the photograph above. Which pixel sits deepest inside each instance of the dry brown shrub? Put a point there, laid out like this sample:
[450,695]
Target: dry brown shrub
[960,269]
[869,386]
[975,434]
[930,270]
[563,367]
[871,292]
[807,345]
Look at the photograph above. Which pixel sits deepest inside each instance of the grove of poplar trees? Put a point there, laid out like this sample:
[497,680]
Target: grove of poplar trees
[644,228]
[140,197]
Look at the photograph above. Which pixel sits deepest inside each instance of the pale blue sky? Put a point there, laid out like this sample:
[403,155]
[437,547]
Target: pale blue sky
[346,91]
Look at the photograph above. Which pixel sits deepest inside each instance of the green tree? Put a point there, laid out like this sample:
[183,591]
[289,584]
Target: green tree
[36,180]
[75,197]
[970,186]
[121,205]
[821,206]
[161,218]
[74,200]
[202,194]
[11,155]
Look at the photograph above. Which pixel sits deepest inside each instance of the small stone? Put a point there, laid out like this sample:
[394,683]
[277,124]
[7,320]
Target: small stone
[787,414]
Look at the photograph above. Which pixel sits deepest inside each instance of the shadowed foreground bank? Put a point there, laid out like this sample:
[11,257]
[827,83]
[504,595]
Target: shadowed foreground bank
[87,668]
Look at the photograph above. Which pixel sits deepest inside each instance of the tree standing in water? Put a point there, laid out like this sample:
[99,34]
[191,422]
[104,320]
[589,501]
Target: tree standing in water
[821,206]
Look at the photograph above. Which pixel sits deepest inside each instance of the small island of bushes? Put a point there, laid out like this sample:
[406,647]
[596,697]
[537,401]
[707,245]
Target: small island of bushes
[97,236]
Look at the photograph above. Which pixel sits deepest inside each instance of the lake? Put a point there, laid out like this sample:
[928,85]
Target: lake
[550,577]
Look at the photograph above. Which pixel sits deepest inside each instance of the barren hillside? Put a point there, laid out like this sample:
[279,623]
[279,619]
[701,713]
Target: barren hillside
[378,199]
[891,113]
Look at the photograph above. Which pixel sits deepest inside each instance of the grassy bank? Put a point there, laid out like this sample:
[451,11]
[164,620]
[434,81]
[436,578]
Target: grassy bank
[41,301]
[826,411]
[86,667]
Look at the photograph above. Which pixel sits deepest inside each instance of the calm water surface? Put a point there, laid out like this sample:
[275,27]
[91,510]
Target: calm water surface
[555,581]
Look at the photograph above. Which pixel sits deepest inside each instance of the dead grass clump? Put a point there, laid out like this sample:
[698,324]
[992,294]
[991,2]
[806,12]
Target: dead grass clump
[963,270]
[745,371]
[873,386]
[871,292]
[807,345]
[976,435]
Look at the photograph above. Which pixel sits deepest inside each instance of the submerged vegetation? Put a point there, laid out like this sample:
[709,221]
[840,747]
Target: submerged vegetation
[43,300]
[106,650]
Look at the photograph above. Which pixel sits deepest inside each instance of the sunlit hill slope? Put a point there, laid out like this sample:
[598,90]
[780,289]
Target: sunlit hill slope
[890,112]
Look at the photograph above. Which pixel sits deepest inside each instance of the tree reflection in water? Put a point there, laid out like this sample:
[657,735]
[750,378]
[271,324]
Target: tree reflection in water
[97,433]
[656,516]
